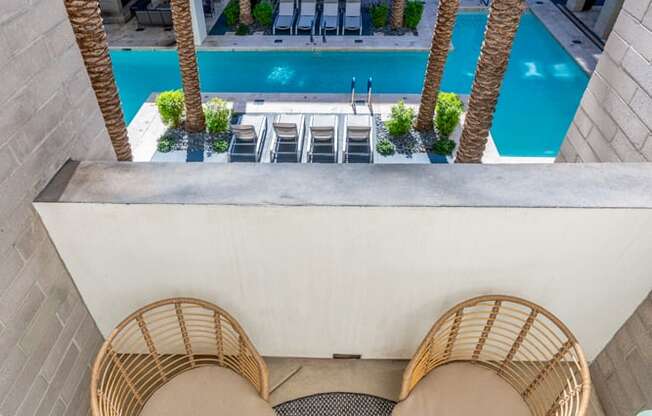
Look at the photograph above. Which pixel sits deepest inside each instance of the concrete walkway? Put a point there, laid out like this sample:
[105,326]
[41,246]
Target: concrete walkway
[570,37]
[576,43]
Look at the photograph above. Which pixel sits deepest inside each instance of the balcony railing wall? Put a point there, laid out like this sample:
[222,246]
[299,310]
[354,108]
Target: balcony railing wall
[316,260]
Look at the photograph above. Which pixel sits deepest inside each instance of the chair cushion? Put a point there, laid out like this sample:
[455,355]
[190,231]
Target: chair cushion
[207,391]
[305,21]
[462,389]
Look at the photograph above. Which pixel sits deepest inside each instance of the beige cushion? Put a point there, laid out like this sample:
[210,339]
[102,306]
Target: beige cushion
[205,391]
[461,389]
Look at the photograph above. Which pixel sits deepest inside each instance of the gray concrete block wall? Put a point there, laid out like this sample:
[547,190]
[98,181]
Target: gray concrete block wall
[614,120]
[48,113]
[622,372]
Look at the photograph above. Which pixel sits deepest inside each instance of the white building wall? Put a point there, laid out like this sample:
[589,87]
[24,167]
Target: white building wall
[198,21]
[313,281]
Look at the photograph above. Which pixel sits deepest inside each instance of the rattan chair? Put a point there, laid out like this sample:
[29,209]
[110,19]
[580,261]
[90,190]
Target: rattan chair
[492,340]
[172,342]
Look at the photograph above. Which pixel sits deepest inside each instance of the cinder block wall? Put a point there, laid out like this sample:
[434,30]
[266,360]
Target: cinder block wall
[614,120]
[622,372]
[48,113]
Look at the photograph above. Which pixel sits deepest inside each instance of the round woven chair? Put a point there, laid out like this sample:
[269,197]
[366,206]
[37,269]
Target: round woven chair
[496,355]
[179,356]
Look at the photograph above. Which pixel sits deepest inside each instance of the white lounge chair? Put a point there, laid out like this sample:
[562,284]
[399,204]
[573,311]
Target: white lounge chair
[248,136]
[288,137]
[307,16]
[323,137]
[358,140]
[286,16]
[330,19]
[353,17]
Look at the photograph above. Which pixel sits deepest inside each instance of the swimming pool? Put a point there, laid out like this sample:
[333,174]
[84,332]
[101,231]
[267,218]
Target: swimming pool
[541,91]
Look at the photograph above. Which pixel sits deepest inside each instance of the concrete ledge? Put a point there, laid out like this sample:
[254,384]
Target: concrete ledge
[535,186]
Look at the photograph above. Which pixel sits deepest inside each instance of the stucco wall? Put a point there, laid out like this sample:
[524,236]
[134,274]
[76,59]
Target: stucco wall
[614,120]
[318,280]
[48,113]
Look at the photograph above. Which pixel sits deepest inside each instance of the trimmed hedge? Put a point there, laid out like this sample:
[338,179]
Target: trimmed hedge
[448,112]
[413,13]
[232,13]
[170,105]
[400,122]
[263,13]
[379,14]
[217,115]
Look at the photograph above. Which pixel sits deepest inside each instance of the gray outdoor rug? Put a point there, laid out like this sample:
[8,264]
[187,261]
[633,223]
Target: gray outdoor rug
[336,404]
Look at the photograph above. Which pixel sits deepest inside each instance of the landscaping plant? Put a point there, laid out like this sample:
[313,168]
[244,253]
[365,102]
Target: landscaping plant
[166,143]
[401,119]
[385,147]
[444,147]
[232,13]
[413,13]
[379,13]
[170,106]
[263,13]
[242,30]
[447,113]
[217,115]
[220,146]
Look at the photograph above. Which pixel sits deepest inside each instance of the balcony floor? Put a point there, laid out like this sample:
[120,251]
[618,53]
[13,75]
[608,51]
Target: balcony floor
[380,378]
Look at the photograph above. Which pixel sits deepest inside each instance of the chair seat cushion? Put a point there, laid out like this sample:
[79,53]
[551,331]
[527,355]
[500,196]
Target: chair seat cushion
[283,21]
[207,391]
[461,389]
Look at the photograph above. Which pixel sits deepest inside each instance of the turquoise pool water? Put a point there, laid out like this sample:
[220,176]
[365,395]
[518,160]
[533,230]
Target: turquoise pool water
[541,91]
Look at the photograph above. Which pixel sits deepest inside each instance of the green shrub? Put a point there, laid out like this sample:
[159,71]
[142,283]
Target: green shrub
[170,106]
[217,116]
[379,13]
[385,147]
[263,13]
[400,122]
[413,13]
[242,30]
[166,143]
[448,112]
[232,13]
[220,146]
[444,147]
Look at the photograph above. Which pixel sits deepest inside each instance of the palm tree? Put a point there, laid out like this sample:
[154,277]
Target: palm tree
[245,12]
[441,40]
[89,32]
[182,20]
[504,18]
[398,10]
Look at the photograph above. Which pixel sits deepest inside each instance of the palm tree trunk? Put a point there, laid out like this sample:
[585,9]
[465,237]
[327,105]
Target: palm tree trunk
[398,10]
[441,40]
[245,12]
[182,20]
[504,19]
[89,32]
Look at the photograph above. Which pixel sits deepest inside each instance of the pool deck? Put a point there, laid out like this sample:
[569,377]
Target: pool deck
[146,127]
[572,39]
[576,43]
